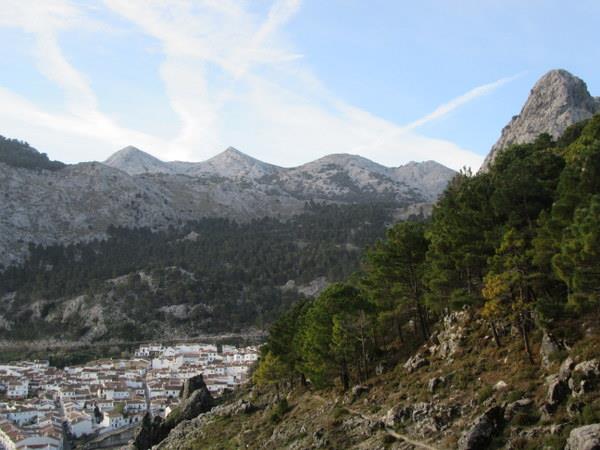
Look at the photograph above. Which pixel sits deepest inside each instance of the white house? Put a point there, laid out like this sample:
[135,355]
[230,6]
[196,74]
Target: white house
[80,423]
[113,419]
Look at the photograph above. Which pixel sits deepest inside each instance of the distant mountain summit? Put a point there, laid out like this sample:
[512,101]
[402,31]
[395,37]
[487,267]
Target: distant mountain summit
[231,163]
[558,100]
[333,177]
[134,161]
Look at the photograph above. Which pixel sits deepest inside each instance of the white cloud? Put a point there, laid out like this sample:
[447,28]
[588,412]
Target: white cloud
[457,102]
[232,78]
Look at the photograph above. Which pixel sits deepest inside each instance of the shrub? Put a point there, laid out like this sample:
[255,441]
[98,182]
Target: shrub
[485,393]
[589,415]
[526,418]
[513,396]
[281,409]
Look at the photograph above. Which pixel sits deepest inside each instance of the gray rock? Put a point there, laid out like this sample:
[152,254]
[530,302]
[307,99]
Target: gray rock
[485,427]
[549,346]
[515,407]
[501,386]
[415,362]
[434,383]
[359,390]
[585,377]
[566,367]
[584,438]
[558,391]
[557,101]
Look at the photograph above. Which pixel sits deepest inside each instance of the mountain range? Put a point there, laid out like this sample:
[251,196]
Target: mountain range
[134,189]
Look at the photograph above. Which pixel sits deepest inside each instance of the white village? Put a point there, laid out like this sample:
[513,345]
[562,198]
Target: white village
[43,407]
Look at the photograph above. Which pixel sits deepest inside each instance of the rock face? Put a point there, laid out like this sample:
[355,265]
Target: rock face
[483,430]
[584,438]
[558,100]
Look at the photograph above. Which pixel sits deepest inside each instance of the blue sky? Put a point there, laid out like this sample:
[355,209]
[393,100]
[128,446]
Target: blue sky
[286,81]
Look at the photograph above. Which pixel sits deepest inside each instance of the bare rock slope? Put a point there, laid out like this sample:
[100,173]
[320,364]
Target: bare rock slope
[558,100]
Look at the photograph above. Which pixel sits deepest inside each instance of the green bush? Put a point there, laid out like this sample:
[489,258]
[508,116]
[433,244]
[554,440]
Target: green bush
[589,415]
[485,393]
[281,409]
[513,396]
[526,418]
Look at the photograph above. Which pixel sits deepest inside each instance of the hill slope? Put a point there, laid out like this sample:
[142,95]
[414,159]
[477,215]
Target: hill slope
[470,396]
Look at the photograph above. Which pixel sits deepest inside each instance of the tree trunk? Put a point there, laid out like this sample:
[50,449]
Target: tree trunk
[422,321]
[399,330]
[344,376]
[525,335]
[495,333]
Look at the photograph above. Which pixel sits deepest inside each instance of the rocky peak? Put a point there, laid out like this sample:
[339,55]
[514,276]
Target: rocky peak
[233,163]
[558,100]
[134,161]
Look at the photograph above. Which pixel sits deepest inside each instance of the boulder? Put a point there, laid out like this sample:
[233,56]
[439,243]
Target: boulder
[415,362]
[500,386]
[558,391]
[481,432]
[434,383]
[359,390]
[515,407]
[584,438]
[585,377]
[549,346]
[566,367]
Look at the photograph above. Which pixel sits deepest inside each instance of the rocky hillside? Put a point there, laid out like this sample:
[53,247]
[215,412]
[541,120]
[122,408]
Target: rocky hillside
[557,100]
[458,391]
[133,189]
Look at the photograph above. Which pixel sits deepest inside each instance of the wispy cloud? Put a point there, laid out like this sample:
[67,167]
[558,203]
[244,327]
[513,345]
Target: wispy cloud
[231,76]
[446,108]
[461,100]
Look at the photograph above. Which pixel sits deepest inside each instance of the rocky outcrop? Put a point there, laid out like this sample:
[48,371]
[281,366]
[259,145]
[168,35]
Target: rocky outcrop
[584,438]
[558,392]
[425,417]
[549,346]
[195,400]
[485,427]
[415,362]
[449,339]
[585,377]
[558,100]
